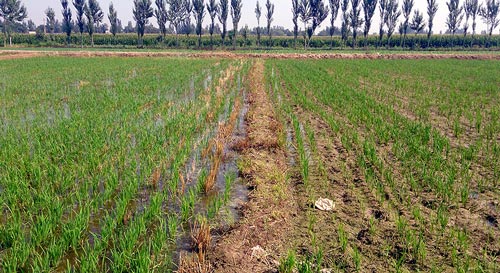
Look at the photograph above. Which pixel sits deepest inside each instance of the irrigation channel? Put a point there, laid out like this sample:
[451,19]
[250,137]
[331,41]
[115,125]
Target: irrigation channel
[230,191]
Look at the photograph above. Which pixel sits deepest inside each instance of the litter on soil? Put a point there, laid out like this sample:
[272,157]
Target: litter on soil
[324,204]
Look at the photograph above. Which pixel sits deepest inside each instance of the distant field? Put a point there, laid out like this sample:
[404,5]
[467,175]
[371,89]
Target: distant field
[111,164]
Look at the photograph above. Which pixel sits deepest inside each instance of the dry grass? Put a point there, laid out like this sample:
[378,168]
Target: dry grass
[192,264]
[155,178]
[216,146]
[201,238]
[200,234]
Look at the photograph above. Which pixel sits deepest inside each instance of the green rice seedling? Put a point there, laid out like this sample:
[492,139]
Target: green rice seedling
[417,214]
[342,238]
[229,179]
[214,206]
[172,226]
[356,257]
[478,121]
[187,204]
[464,265]
[442,216]
[318,256]
[372,223]
[303,158]
[142,260]
[160,235]
[288,263]
[305,266]
[463,240]
[457,128]
[398,263]
[311,138]
[464,193]
[401,225]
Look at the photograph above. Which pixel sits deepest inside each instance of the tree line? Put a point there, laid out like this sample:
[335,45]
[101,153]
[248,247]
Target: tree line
[356,18]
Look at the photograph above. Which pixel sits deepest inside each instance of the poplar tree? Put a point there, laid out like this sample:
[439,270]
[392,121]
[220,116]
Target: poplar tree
[432,8]
[142,11]
[417,23]
[369,7]
[344,30]
[94,15]
[334,11]
[80,19]
[67,25]
[407,9]
[392,14]
[236,6]
[355,19]
[176,14]
[295,19]
[258,13]
[199,14]
[269,17]
[490,13]
[51,21]
[455,15]
[113,19]
[212,9]
[223,14]
[161,16]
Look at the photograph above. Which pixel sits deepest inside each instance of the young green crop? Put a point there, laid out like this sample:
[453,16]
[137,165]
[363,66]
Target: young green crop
[412,128]
[82,143]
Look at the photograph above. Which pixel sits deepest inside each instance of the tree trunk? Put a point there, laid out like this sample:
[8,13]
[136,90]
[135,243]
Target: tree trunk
[305,36]
[354,36]
[235,35]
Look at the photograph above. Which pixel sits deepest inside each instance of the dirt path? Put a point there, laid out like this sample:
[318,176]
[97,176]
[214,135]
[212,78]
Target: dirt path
[12,54]
[253,245]
[7,55]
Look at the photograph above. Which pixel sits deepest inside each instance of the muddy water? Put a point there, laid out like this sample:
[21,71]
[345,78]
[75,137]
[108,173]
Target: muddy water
[290,146]
[491,221]
[230,212]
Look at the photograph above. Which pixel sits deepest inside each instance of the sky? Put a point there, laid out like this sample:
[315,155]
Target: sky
[283,15]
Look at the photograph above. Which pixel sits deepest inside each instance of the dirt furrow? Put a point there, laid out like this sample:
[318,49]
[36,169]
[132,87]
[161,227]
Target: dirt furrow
[253,244]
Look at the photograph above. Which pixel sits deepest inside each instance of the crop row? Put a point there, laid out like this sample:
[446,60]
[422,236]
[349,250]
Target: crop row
[416,174]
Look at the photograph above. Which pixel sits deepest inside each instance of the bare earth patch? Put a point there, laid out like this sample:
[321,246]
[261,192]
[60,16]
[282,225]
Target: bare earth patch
[8,55]
[237,55]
